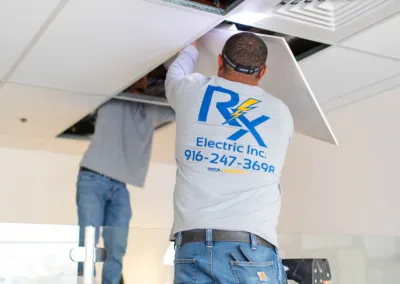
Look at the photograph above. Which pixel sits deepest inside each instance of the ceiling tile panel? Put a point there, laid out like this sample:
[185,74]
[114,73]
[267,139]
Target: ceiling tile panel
[364,93]
[38,112]
[20,20]
[101,46]
[382,38]
[338,71]
[14,141]
[65,145]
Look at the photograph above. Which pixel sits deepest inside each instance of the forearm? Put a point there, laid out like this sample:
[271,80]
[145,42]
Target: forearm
[182,66]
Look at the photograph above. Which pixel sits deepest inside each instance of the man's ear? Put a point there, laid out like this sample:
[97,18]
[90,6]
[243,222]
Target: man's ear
[263,70]
[220,63]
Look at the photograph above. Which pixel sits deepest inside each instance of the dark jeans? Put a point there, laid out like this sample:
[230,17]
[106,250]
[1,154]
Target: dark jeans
[105,202]
[227,263]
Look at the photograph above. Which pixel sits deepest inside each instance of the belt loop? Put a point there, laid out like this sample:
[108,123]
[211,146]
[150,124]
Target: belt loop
[178,240]
[209,240]
[253,241]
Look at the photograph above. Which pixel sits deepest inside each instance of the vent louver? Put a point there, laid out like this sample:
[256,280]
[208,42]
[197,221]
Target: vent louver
[328,14]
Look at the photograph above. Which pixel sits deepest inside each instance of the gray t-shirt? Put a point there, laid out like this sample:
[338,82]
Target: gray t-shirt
[122,141]
[231,141]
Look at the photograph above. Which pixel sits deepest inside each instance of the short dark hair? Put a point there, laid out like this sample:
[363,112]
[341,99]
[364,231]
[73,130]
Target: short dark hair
[245,49]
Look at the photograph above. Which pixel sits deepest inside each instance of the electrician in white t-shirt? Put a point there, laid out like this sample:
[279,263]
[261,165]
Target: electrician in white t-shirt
[231,142]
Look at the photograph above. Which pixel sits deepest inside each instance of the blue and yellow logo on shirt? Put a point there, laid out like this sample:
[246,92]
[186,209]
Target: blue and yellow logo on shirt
[234,113]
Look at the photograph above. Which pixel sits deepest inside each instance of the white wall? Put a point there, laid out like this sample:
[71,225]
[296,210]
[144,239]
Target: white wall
[39,187]
[351,189]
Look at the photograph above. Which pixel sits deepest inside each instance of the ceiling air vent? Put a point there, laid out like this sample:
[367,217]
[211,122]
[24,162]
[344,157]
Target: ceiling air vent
[328,14]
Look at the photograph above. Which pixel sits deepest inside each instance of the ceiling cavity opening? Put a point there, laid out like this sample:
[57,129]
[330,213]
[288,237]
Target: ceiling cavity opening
[149,89]
[300,47]
[220,7]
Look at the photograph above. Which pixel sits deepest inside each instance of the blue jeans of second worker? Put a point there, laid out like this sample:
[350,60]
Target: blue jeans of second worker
[227,263]
[105,202]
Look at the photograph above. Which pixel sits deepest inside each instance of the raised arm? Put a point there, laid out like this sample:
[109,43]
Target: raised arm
[182,66]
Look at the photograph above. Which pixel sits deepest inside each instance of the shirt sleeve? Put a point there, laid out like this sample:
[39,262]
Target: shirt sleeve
[182,66]
[162,114]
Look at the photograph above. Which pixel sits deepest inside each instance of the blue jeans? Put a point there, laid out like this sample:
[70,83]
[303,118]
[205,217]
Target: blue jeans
[104,202]
[227,263]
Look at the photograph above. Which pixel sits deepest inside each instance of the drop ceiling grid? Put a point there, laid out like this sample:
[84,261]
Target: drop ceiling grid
[20,21]
[363,93]
[101,46]
[381,38]
[336,71]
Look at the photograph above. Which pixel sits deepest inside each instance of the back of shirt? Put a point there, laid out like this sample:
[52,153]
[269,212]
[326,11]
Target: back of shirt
[123,138]
[231,144]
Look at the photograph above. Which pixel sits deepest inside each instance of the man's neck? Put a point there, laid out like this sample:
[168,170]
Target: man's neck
[240,78]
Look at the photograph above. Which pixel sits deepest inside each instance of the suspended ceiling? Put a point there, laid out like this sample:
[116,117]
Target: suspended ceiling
[60,60]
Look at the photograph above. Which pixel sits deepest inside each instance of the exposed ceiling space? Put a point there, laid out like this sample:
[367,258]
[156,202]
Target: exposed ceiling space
[61,59]
[220,7]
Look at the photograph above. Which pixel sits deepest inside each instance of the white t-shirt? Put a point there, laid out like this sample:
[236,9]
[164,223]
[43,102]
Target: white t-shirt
[231,142]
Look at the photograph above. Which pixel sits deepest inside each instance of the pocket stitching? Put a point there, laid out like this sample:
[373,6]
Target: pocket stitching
[236,264]
[257,264]
[183,260]
[194,266]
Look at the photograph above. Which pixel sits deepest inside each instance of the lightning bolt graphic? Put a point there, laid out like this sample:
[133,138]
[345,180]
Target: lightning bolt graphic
[243,108]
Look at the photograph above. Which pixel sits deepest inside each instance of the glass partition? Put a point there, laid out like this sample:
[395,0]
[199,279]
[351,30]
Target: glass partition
[148,259]
[352,259]
[37,254]
[46,253]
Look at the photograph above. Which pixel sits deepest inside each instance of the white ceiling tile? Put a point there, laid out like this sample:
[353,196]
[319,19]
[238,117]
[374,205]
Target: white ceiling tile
[364,93]
[283,80]
[47,112]
[14,141]
[337,71]
[65,145]
[102,46]
[20,20]
[380,39]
